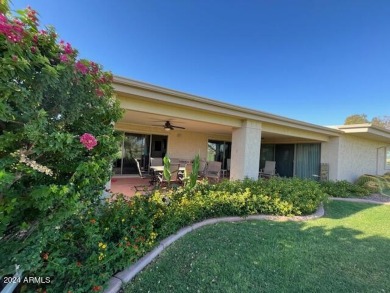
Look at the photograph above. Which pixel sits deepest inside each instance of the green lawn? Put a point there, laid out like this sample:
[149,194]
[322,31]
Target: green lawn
[348,250]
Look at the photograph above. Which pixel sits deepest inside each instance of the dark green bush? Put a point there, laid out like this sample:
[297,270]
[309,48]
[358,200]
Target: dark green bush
[343,188]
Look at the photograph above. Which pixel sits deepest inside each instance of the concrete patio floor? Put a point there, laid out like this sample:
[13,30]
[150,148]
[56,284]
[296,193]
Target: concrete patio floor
[125,185]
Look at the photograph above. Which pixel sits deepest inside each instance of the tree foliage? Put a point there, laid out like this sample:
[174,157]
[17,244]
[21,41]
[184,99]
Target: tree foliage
[383,121]
[356,119]
[57,141]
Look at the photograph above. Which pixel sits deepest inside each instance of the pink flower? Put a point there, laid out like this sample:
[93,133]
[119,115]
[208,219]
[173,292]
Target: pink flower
[12,30]
[99,92]
[68,49]
[94,68]
[32,15]
[81,67]
[88,140]
[64,58]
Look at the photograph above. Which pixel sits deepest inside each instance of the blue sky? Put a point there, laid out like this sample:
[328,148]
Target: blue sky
[317,61]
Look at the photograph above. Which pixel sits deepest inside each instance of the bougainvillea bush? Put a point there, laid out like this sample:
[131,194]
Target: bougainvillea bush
[57,143]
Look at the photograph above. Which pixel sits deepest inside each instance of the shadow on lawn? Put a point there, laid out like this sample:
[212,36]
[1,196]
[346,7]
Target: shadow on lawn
[346,260]
[335,210]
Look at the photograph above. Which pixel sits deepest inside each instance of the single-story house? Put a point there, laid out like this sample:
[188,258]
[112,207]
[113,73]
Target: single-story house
[245,138]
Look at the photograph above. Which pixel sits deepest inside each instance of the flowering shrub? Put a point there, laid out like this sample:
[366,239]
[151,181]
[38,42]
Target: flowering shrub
[57,143]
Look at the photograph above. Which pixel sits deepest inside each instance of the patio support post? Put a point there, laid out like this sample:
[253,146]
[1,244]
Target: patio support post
[245,155]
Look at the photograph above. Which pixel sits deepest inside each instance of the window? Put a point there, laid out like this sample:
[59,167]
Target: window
[387,158]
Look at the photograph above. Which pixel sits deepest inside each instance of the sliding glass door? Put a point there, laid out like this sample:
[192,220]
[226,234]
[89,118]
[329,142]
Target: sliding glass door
[140,147]
[219,151]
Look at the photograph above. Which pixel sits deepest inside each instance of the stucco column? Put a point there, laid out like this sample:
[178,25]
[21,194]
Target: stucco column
[245,155]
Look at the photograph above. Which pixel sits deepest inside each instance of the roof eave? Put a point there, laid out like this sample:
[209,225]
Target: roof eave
[233,110]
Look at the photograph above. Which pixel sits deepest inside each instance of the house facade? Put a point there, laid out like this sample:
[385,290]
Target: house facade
[159,121]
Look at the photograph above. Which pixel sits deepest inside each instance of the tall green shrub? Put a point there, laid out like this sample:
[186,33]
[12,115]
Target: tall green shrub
[57,143]
[195,171]
[167,169]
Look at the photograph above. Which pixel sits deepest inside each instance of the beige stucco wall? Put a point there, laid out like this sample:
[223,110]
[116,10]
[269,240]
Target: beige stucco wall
[185,145]
[350,157]
[329,155]
[181,144]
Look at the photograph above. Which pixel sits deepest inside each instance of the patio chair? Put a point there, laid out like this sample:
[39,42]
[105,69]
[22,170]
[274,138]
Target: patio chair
[156,162]
[174,176]
[186,174]
[202,169]
[144,188]
[213,171]
[175,161]
[269,170]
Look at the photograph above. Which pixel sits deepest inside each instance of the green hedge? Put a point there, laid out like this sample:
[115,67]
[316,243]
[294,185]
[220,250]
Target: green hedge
[277,196]
[344,188]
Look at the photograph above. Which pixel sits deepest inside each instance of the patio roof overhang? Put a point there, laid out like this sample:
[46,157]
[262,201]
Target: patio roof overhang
[147,105]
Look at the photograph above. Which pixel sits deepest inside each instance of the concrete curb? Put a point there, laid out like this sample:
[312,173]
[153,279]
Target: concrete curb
[359,200]
[125,276]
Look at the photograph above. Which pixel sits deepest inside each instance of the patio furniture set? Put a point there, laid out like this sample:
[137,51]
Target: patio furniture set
[181,169]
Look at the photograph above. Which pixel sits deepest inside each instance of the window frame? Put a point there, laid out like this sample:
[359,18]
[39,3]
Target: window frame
[387,158]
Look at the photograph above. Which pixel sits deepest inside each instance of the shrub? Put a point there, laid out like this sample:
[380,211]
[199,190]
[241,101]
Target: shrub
[375,184]
[276,196]
[370,183]
[57,143]
[343,188]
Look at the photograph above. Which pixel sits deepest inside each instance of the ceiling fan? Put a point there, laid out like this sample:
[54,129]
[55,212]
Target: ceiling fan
[168,126]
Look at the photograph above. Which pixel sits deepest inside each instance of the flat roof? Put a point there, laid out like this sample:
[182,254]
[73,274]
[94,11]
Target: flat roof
[367,131]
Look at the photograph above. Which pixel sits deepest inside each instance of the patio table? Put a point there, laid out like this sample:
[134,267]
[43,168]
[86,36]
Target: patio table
[159,169]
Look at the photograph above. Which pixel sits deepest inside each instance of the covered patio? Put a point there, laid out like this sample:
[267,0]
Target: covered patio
[216,131]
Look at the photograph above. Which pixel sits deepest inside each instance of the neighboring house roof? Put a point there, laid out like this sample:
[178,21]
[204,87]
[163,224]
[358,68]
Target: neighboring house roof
[367,131]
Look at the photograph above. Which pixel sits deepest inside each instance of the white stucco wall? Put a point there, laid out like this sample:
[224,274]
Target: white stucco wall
[245,155]
[350,157]
[330,155]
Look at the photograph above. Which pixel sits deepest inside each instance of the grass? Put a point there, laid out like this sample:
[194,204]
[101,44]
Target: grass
[386,191]
[345,251]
